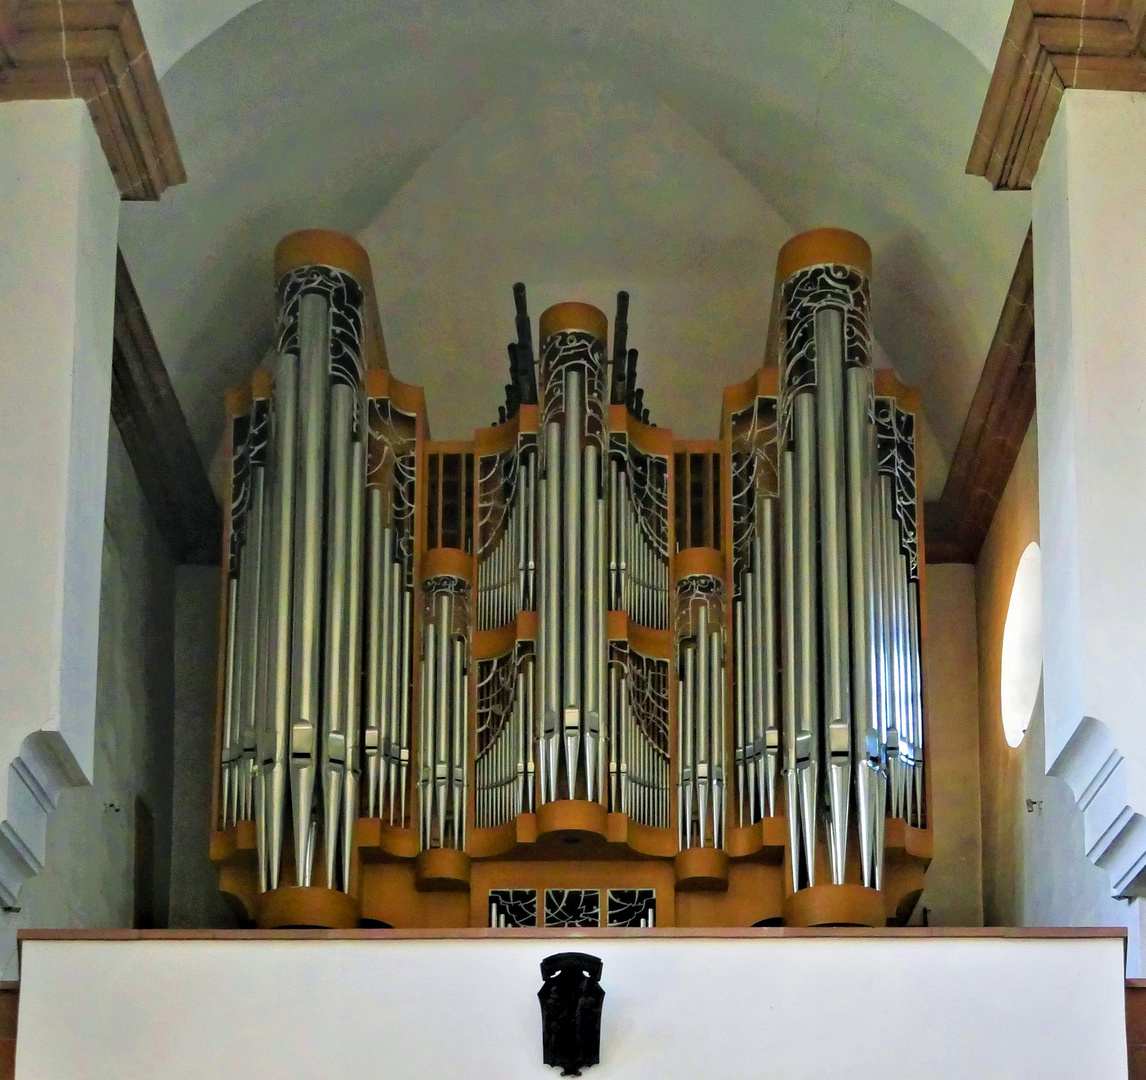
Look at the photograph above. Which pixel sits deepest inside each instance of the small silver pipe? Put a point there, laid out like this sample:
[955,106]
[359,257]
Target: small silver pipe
[738,711]
[426,755]
[623,540]
[625,747]
[459,725]
[404,706]
[443,705]
[703,716]
[688,759]
[716,683]
[232,683]
[749,673]
[375,651]
[768,761]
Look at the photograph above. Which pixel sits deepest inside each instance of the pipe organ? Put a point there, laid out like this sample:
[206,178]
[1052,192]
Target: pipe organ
[573,655]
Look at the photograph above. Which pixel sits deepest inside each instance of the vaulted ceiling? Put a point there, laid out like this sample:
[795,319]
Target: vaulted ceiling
[664,146]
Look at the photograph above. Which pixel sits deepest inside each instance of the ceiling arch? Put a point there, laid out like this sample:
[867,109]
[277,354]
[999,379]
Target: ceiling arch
[662,146]
[173,28]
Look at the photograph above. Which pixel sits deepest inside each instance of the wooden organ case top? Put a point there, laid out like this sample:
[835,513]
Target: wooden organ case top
[574,672]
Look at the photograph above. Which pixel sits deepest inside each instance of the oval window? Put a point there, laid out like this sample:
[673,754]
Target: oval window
[1022,662]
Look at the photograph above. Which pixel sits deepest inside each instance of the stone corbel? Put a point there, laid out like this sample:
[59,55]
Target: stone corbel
[51,49]
[1051,45]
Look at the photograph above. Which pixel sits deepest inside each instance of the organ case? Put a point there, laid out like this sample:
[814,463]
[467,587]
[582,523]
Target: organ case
[572,669]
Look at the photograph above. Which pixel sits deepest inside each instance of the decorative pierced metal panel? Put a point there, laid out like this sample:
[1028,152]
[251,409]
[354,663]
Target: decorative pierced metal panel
[572,907]
[499,761]
[393,462]
[806,292]
[574,349]
[632,907]
[648,490]
[344,297]
[512,907]
[648,697]
[754,476]
[497,489]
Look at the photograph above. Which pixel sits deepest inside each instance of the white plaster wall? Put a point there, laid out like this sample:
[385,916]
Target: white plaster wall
[945,1009]
[1090,292]
[88,878]
[57,271]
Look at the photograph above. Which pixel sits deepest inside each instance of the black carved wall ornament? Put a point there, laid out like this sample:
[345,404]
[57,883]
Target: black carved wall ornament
[571,999]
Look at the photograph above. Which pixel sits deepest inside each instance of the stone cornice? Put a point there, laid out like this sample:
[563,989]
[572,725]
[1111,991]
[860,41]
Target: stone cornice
[1050,45]
[51,49]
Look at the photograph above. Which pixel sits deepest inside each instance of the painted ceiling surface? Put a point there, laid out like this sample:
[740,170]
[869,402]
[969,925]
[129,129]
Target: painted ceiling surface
[663,146]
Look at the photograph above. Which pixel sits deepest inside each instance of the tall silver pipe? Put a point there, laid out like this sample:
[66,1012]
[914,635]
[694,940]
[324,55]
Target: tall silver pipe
[551,709]
[833,579]
[336,629]
[573,565]
[250,593]
[790,660]
[314,367]
[866,730]
[590,591]
[807,667]
[883,647]
[353,686]
[274,754]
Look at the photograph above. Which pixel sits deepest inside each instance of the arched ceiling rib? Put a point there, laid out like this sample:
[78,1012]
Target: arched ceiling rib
[663,146]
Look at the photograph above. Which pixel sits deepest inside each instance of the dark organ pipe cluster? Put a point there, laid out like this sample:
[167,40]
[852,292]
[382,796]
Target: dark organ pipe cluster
[569,646]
